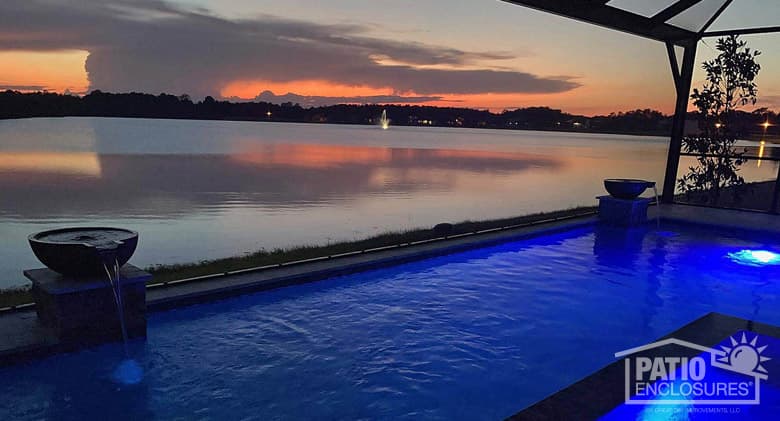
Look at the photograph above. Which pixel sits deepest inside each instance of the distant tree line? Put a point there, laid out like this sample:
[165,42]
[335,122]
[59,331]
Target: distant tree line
[15,104]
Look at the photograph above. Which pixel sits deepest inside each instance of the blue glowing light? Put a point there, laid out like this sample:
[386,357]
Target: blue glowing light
[755,257]
[128,372]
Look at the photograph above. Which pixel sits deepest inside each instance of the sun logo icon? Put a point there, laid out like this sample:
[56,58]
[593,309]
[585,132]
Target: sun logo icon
[744,357]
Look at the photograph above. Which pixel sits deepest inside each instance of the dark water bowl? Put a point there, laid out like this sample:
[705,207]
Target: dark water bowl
[83,251]
[626,188]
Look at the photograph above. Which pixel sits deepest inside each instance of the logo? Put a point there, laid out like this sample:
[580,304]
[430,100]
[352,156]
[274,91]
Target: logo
[730,374]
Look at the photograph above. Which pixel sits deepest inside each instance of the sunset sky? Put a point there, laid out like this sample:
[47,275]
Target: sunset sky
[478,53]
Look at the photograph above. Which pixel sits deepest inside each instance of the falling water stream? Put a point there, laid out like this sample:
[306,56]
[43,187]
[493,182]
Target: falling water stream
[128,372]
[658,215]
[113,279]
[657,208]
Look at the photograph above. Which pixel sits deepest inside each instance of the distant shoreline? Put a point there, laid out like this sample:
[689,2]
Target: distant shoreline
[550,130]
[638,122]
[15,104]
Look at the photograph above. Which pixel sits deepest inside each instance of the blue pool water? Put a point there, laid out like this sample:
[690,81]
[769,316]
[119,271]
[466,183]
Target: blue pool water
[473,335]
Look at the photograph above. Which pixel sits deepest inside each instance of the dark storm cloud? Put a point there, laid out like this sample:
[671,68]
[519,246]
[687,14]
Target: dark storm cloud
[317,101]
[153,46]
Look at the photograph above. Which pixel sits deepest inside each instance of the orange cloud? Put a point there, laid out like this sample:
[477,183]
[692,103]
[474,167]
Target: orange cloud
[248,89]
[568,101]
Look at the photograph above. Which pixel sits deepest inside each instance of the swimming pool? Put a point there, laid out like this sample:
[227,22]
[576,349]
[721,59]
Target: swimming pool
[473,335]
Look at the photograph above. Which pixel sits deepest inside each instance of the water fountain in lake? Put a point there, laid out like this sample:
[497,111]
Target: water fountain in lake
[88,294]
[384,121]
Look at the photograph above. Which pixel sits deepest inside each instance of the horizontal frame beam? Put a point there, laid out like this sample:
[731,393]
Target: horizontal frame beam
[744,31]
[748,157]
[598,13]
[674,10]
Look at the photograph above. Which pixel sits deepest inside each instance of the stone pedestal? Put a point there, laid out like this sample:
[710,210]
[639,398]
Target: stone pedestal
[84,310]
[622,212]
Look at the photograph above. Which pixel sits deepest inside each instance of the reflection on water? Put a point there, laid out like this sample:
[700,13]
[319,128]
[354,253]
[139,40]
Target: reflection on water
[78,163]
[72,185]
[762,151]
[197,190]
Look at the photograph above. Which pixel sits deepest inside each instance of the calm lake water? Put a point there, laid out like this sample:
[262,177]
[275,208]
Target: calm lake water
[206,189]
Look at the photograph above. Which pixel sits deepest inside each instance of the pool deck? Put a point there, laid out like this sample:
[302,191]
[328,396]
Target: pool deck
[719,218]
[596,395]
[22,337]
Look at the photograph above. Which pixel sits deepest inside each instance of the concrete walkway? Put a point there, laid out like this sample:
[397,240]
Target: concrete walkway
[733,219]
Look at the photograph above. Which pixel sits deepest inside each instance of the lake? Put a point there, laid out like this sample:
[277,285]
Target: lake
[199,190]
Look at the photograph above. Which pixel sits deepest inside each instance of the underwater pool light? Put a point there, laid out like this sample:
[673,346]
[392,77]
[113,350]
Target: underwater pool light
[128,372]
[755,257]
